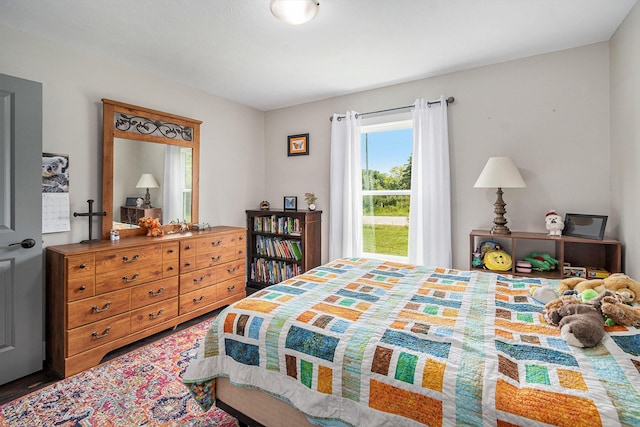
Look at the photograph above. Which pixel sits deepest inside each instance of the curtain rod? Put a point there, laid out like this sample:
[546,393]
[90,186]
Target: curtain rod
[449,100]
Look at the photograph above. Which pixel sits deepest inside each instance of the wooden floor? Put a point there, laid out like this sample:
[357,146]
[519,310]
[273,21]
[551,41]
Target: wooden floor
[40,379]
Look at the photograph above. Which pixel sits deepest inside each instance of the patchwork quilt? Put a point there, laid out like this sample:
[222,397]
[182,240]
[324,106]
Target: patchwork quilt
[367,342]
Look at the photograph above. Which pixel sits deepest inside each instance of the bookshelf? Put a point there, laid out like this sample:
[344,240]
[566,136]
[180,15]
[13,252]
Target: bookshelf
[280,245]
[579,252]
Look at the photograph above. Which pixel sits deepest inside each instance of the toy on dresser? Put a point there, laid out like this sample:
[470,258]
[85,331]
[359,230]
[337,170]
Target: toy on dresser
[554,223]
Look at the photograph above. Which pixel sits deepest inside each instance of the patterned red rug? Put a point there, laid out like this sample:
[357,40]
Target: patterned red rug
[140,388]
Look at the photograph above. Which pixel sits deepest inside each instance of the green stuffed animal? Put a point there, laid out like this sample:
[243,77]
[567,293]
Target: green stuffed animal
[542,262]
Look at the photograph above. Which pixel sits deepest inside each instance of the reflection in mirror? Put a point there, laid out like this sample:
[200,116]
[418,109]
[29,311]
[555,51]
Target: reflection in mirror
[170,165]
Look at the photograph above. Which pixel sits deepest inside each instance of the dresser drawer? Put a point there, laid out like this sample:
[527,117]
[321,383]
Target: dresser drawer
[151,315]
[80,266]
[170,251]
[215,257]
[197,280]
[187,263]
[153,292]
[197,299]
[230,270]
[97,308]
[187,248]
[212,243]
[127,277]
[81,287]
[98,333]
[136,257]
[230,288]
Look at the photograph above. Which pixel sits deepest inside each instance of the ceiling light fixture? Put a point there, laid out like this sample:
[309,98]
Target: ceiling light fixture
[294,12]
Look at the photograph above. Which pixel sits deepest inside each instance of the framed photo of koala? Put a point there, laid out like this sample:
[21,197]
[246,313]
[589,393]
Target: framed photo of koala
[55,173]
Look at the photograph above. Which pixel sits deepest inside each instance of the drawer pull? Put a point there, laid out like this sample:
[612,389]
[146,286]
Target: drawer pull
[155,316]
[170,251]
[100,310]
[133,279]
[82,288]
[134,259]
[216,243]
[187,247]
[199,300]
[232,270]
[241,238]
[230,288]
[106,332]
[155,294]
[199,280]
[82,266]
[216,258]
[187,264]
[170,268]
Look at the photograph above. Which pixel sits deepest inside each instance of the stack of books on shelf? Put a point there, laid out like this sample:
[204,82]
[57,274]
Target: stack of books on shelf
[277,224]
[279,248]
[272,272]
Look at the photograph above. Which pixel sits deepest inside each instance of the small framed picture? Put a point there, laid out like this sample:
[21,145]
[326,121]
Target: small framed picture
[131,201]
[585,225]
[290,203]
[298,145]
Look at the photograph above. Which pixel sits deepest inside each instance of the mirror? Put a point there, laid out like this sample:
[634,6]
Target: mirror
[138,141]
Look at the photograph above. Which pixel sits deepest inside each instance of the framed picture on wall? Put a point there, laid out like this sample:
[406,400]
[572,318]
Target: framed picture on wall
[298,145]
[290,203]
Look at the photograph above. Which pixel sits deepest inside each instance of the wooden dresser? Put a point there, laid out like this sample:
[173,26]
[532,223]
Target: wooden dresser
[104,295]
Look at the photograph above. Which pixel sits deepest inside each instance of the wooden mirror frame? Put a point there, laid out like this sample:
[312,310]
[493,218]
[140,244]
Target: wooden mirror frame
[167,130]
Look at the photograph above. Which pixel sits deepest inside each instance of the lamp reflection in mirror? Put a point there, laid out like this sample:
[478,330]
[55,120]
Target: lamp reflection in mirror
[147,181]
[500,172]
[294,12]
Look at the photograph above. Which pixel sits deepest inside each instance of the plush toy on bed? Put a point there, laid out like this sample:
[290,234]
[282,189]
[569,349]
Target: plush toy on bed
[620,283]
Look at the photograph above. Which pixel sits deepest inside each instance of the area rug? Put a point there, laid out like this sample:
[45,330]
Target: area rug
[140,388]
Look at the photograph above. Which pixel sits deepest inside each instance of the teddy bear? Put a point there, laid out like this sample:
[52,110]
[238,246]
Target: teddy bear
[620,283]
[608,304]
[153,226]
[554,223]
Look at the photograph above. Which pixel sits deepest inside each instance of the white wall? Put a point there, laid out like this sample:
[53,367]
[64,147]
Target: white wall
[232,135]
[550,113]
[625,137]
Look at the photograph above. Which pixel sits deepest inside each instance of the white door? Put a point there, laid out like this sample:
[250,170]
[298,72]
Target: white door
[21,259]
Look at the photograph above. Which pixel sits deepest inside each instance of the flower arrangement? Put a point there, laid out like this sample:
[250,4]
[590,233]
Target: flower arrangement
[310,198]
[153,226]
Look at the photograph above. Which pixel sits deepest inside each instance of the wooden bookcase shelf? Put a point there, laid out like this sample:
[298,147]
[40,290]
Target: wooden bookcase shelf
[281,244]
[579,252]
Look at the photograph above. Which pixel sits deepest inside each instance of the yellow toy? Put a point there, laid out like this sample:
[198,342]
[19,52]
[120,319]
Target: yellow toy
[619,283]
[497,260]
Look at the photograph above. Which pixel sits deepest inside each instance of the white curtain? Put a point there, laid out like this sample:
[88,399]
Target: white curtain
[430,210]
[172,193]
[345,220]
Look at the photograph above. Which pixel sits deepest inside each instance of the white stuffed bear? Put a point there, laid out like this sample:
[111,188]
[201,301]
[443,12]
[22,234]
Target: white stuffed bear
[555,223]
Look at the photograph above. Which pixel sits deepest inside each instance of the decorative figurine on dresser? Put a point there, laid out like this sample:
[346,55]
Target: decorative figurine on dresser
[105,294]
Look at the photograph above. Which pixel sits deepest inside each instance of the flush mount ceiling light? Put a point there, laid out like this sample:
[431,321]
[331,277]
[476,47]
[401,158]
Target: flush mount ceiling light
[294,12]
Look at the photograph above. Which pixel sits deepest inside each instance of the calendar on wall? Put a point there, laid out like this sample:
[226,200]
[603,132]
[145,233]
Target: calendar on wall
[55,193]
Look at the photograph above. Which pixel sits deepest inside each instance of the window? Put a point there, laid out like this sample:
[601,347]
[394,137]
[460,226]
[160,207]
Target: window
[187,180]
[386,188]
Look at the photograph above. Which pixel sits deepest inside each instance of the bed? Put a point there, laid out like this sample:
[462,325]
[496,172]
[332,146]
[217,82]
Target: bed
[367,342]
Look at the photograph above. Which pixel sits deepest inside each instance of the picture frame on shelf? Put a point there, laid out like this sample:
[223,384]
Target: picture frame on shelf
[585,225]
[290,203]
[298,145]
[131,201]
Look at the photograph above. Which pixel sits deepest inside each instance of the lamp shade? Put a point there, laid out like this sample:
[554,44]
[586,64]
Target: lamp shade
[500,172]
[147,181]
[294,12]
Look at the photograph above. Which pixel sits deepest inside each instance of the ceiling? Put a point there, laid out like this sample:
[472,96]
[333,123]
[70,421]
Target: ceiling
[237,50]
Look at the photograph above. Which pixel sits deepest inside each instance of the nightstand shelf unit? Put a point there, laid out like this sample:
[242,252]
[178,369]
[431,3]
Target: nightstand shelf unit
[578,252]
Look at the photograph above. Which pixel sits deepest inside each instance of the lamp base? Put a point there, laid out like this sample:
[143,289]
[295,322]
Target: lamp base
[500,221]
[147,200]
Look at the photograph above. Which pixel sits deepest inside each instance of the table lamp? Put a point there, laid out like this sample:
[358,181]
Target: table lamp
[500,172]
[147,181]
